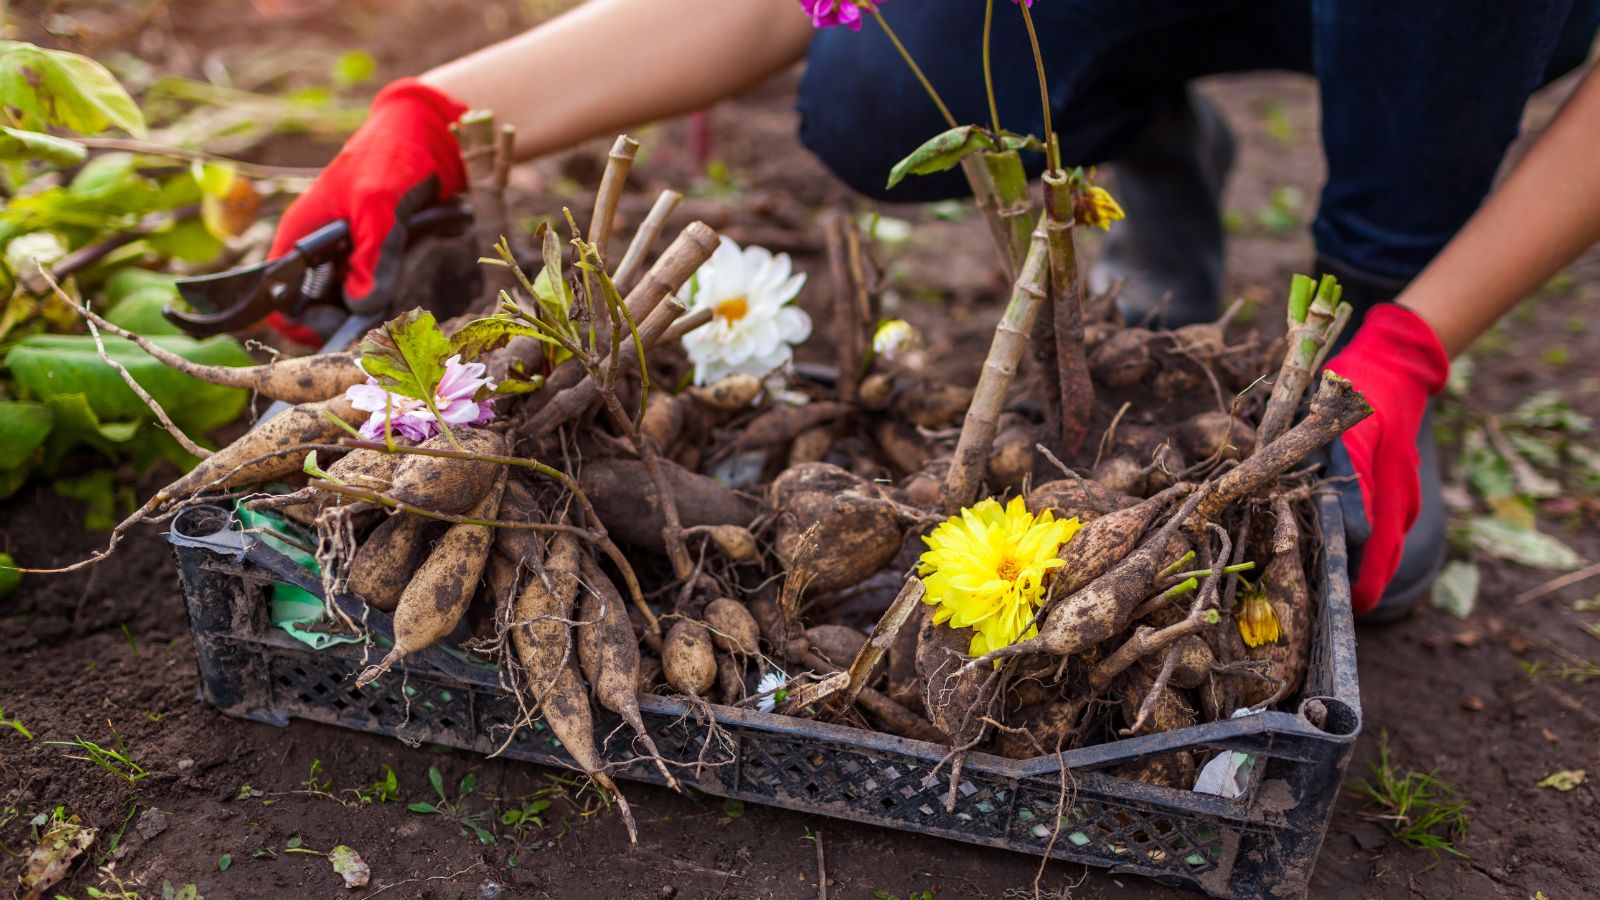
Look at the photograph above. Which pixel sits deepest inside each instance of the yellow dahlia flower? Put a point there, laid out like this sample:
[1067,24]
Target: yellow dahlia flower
[1258,621]
[985,569]
[1097,208]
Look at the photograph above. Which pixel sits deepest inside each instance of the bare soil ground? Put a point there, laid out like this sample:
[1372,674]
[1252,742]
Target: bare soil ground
[108,649]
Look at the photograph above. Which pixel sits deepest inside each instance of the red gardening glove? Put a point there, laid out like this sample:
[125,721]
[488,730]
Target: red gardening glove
[401,161]
[1397,363]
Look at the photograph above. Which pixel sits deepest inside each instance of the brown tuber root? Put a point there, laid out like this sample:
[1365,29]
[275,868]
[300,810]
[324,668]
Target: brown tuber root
[624,497]
[436,598]
[858,527]
[688,660]
[1123,359]
[733,629]
[1215,435]
[1102,608]
[609,656]
[446,485]
[383,565]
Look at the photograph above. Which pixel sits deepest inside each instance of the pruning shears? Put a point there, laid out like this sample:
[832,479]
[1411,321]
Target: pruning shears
[303,283]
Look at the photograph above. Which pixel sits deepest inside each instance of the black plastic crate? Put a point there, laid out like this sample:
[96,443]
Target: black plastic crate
[1259,845]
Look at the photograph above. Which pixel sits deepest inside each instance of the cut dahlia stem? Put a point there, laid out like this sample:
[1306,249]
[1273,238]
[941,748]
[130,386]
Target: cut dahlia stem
[1314,323]
[883,637]
[1014,202]
[983,196]
[481,146]
[852,302]
[693,246]
[1066,305]
[644,240]
[618,164]
[1336,407]
[999,369]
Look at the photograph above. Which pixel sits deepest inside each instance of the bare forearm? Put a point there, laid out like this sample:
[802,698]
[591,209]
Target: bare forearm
[610,65]
[1544,215]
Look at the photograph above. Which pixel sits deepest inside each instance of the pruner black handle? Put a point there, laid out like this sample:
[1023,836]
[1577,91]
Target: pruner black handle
[332,242]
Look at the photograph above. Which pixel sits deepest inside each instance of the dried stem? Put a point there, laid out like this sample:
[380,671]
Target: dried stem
[1335,408]
[627,271]
[1312,317]
[1147,640]
[685,324]
[571,391]
[84,257]
[378,499]
[883,637]
[1066,306]
[618,163]
[1010,340]
[164,420]
[852,302]
[486,184]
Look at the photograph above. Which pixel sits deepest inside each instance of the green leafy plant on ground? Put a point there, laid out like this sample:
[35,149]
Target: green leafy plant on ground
[100,222]
[1418,809]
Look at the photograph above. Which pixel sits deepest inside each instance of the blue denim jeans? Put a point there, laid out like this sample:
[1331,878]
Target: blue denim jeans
[1420,98]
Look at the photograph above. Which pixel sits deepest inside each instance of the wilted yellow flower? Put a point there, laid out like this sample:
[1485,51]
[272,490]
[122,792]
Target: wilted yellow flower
[1096,207]
[985,569]
[1258,621]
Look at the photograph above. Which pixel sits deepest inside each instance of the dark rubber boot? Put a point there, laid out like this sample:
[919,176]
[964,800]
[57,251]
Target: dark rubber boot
[1169,249]
[1424,551]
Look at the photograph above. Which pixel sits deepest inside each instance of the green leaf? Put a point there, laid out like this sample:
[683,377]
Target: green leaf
[47,365]
[224,861]
[940,152]
[437,780]
[9,576]
[733,808]
[293,843]
[1564,780]
[16,143]
[352,68]
[1010,140]
[479,336]
[1456,589]
[130,279]
[99,492]
[407,355]
[23,428]
[140,311]
[1517,544]
[188,240]
[1548,409]
[1487,471]
[424,808]
[75,424]
[56,88]
[469,783]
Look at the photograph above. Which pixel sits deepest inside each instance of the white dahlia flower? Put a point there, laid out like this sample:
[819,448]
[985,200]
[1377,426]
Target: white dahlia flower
[754,325]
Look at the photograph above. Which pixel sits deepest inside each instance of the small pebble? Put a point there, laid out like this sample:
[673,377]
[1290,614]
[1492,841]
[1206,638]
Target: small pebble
[1473,704]
[491,889]
[1550,736]
[185,765]
[150,823]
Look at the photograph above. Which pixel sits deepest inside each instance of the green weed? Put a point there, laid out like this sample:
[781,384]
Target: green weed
[15,724]
[455,810]
[1421,811]
[115,760]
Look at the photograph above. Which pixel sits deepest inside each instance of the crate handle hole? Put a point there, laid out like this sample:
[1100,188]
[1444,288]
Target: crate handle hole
[202,521]
[1331,715]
